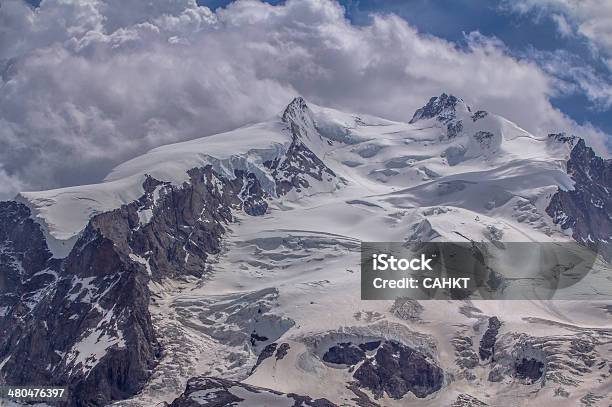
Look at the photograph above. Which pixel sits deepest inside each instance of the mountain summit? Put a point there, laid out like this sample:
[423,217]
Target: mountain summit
[444,108]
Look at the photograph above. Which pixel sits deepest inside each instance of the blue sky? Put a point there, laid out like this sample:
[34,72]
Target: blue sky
[523,34]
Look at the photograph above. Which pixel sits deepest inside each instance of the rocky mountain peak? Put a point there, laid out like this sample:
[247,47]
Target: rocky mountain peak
[443,107]
[584,164]
[584,209]
[297,113]
[563,138]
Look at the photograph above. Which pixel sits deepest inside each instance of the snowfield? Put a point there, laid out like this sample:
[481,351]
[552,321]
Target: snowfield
[292,275]
[378,156]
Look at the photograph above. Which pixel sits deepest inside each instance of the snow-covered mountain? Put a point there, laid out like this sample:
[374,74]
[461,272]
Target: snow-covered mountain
[232,262]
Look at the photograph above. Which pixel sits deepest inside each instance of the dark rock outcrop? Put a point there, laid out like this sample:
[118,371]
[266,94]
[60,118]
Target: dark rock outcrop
[369,346]
[442,107]
[485,138]
[300,165]
[23,253]
[89,328]
[397,369]
[267,352]
[563,138]
[481,114]
[270,350]
[84,322]
[465,400]
[487,342]
[344,354]
[282,351]
[454,129]
[466,357]
[27,272]
[215,392]
[586,208]
[555,359]
[529,368]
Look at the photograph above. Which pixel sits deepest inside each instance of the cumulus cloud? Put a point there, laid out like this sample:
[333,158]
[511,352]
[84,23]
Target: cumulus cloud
[87,84]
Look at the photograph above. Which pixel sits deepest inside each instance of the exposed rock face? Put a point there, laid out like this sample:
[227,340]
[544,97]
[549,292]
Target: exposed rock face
[530,369]
[26,272]
[369,346]
[90,328]
[465,400]
[267,352]
[453,129]
[397,369]
[562,360]
[479,115]
[485,138]
[300,163]
[487,343]
[282,350]
[252,195]
[270,350]
[443,107]
[298,113]
[466,357]
[344,354]
[187,223]
[464,139]
[23,254]
[585,210]
[563,138]
[215,392]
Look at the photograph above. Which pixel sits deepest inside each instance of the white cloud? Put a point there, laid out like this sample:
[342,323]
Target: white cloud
[574,76]
[8,184]
[89,83]
[563,26]
[591,19]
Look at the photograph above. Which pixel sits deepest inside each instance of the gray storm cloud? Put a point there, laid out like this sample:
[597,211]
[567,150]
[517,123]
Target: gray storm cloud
[87,84]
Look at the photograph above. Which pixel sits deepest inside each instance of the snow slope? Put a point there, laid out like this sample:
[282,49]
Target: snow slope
[374,154]
[64,212]
[292,275]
